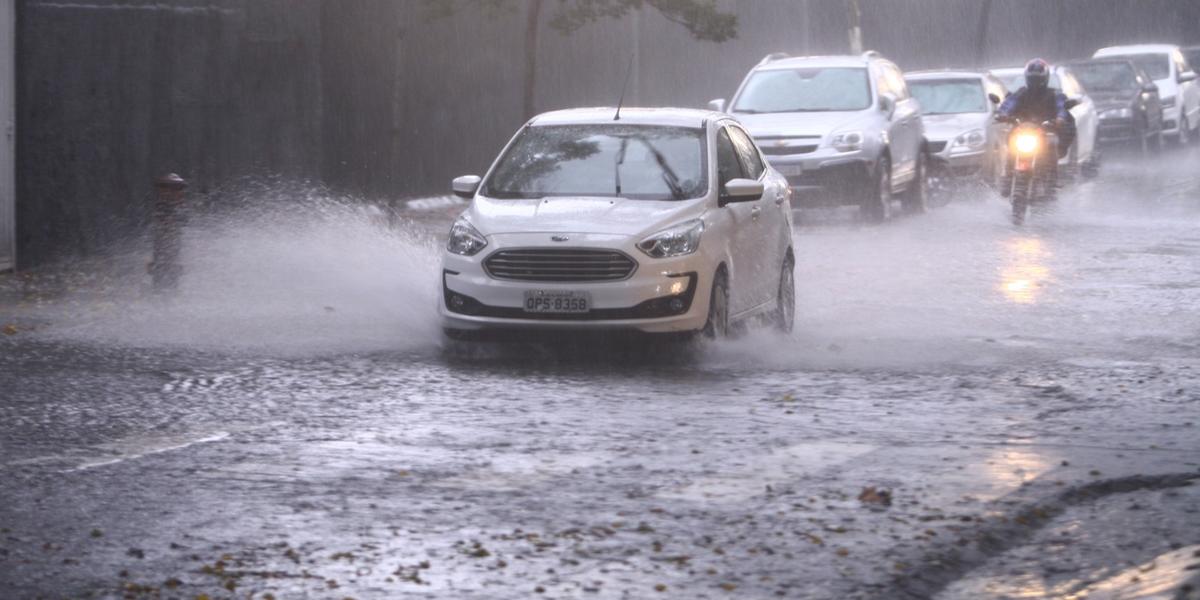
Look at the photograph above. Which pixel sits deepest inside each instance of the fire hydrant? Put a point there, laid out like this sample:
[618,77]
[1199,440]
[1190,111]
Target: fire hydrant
[167,232]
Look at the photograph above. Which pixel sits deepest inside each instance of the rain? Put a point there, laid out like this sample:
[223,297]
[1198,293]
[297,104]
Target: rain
[262,332]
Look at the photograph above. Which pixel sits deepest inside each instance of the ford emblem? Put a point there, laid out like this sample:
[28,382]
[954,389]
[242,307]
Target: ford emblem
[559,238]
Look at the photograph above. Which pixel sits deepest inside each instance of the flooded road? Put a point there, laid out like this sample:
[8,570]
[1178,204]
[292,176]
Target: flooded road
[966,410]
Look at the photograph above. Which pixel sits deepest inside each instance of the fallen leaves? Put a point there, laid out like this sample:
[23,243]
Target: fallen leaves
[873,497]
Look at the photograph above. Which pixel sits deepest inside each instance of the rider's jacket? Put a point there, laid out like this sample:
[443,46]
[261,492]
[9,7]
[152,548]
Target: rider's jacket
[1027,105]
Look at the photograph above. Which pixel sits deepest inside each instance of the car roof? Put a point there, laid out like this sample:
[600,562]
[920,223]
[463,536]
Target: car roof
[944,74]
[1135,49]
[669,117]
[796,62]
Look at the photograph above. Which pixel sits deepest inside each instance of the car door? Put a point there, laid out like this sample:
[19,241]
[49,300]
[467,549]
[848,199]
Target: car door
[906,148]
[1086,119]
[893,125]
[743,232]
[1189,88]
[762,269]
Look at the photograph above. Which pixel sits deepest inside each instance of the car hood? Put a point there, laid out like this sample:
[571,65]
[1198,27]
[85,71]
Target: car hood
[1105,101]
[948,127]
[614,216]
[800,124]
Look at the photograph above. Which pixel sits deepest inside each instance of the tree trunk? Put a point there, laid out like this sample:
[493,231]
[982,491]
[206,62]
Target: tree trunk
[531,42]
[981,33]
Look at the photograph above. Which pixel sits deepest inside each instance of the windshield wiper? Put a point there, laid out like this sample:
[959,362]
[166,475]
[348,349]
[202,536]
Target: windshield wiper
[669,176]
[620,161]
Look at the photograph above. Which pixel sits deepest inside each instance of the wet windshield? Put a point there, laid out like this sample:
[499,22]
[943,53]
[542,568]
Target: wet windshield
[1108,77]
[1157,66]
[627,161]
[941,97]
[805,90]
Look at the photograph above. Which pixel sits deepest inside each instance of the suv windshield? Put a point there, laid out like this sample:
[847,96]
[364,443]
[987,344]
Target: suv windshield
[625,161]
[805,90]
[949,96]
[1157,66]
[1106,76]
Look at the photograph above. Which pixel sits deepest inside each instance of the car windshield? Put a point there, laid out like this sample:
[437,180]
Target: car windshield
[1106,77]
[1193,58]
[625,161]
[949,96]
[805,90]
[1016,80]
[1157,66]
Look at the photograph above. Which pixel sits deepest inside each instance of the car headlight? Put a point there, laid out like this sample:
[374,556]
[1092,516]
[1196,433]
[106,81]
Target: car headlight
[1167,102]
[971,139]
[464,239]
[677,241]
[1117,113]
[847,141]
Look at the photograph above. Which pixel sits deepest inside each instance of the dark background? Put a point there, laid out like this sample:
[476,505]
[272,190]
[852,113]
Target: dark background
[384,99]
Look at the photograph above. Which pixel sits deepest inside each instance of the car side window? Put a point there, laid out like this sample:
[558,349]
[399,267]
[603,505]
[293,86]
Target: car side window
[896,82]
[728,165]
[1181,65]
[883,85]
[752,164]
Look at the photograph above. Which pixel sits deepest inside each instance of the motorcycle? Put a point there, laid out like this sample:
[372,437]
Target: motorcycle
[1033,148]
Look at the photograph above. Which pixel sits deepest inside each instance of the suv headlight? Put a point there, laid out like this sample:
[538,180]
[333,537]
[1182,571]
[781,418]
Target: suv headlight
[677,241]
[847,141]
[1117,113]
[464,239]
[971,139]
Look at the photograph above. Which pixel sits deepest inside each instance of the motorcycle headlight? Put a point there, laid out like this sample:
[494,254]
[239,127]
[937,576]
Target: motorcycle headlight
[1117,113]
[464,239]
[677,241]
[1167,102]
[1027,143]
[847,141]
[971,139]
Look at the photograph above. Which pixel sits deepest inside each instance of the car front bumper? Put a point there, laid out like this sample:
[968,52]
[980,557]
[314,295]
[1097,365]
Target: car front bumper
[825,176]
[957,164]
[661,296]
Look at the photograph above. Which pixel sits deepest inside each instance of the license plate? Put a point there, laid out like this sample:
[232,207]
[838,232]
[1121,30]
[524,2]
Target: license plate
[557,302]
[790,170]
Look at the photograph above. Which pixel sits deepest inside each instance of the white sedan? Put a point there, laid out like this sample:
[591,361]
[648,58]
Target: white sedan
[1084,154]
[653,220]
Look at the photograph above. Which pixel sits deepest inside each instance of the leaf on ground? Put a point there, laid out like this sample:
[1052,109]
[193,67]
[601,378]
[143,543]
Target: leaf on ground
[875,497]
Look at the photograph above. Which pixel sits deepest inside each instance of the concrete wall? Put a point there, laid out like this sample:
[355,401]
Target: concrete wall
[382,99]
[8,116]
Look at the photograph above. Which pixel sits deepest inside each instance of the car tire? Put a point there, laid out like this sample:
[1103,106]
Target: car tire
[915,199]
[876,204]
[784,317]
[717,326]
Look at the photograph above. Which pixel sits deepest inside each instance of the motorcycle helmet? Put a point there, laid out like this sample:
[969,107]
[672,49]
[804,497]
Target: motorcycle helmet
[1037,75]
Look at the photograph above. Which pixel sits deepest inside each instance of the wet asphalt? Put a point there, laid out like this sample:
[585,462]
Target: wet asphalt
[966,410]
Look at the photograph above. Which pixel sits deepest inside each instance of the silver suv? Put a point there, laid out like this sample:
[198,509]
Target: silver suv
[842,129]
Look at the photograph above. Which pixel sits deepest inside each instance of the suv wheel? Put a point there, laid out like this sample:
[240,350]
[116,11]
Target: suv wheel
[916,198]
[717,327]
[784,318]
[876,203]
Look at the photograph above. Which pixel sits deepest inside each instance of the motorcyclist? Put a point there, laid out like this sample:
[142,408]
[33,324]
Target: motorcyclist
[1037,102]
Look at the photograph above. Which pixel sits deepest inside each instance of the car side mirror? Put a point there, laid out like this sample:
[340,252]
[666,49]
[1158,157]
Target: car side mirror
[465,186]
[887,104]
[741,190]
[1072,103]
[717,105]
[1186,77]
[994,98]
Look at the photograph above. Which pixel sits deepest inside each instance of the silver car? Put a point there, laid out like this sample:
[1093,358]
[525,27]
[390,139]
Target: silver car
[842,129]
[962,138]
[1084,155]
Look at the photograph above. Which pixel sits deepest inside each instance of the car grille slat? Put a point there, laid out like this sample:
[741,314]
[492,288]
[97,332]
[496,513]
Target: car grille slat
[559,265]
[936,147]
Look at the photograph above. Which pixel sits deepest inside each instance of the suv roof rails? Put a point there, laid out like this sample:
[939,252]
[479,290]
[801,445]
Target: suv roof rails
[869,54]
[772,57]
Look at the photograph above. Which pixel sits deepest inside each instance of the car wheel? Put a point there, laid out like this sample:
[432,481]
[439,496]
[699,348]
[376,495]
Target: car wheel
[717,327]
[784,318]
[876,204]
[916,198]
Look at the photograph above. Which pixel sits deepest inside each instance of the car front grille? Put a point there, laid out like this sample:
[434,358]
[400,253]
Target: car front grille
[788,150]
[559,265]
[936,147]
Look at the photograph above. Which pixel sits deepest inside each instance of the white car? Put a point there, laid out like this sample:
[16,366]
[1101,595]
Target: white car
[659,221]
[961,135]
[1178,89]
[1084,154]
